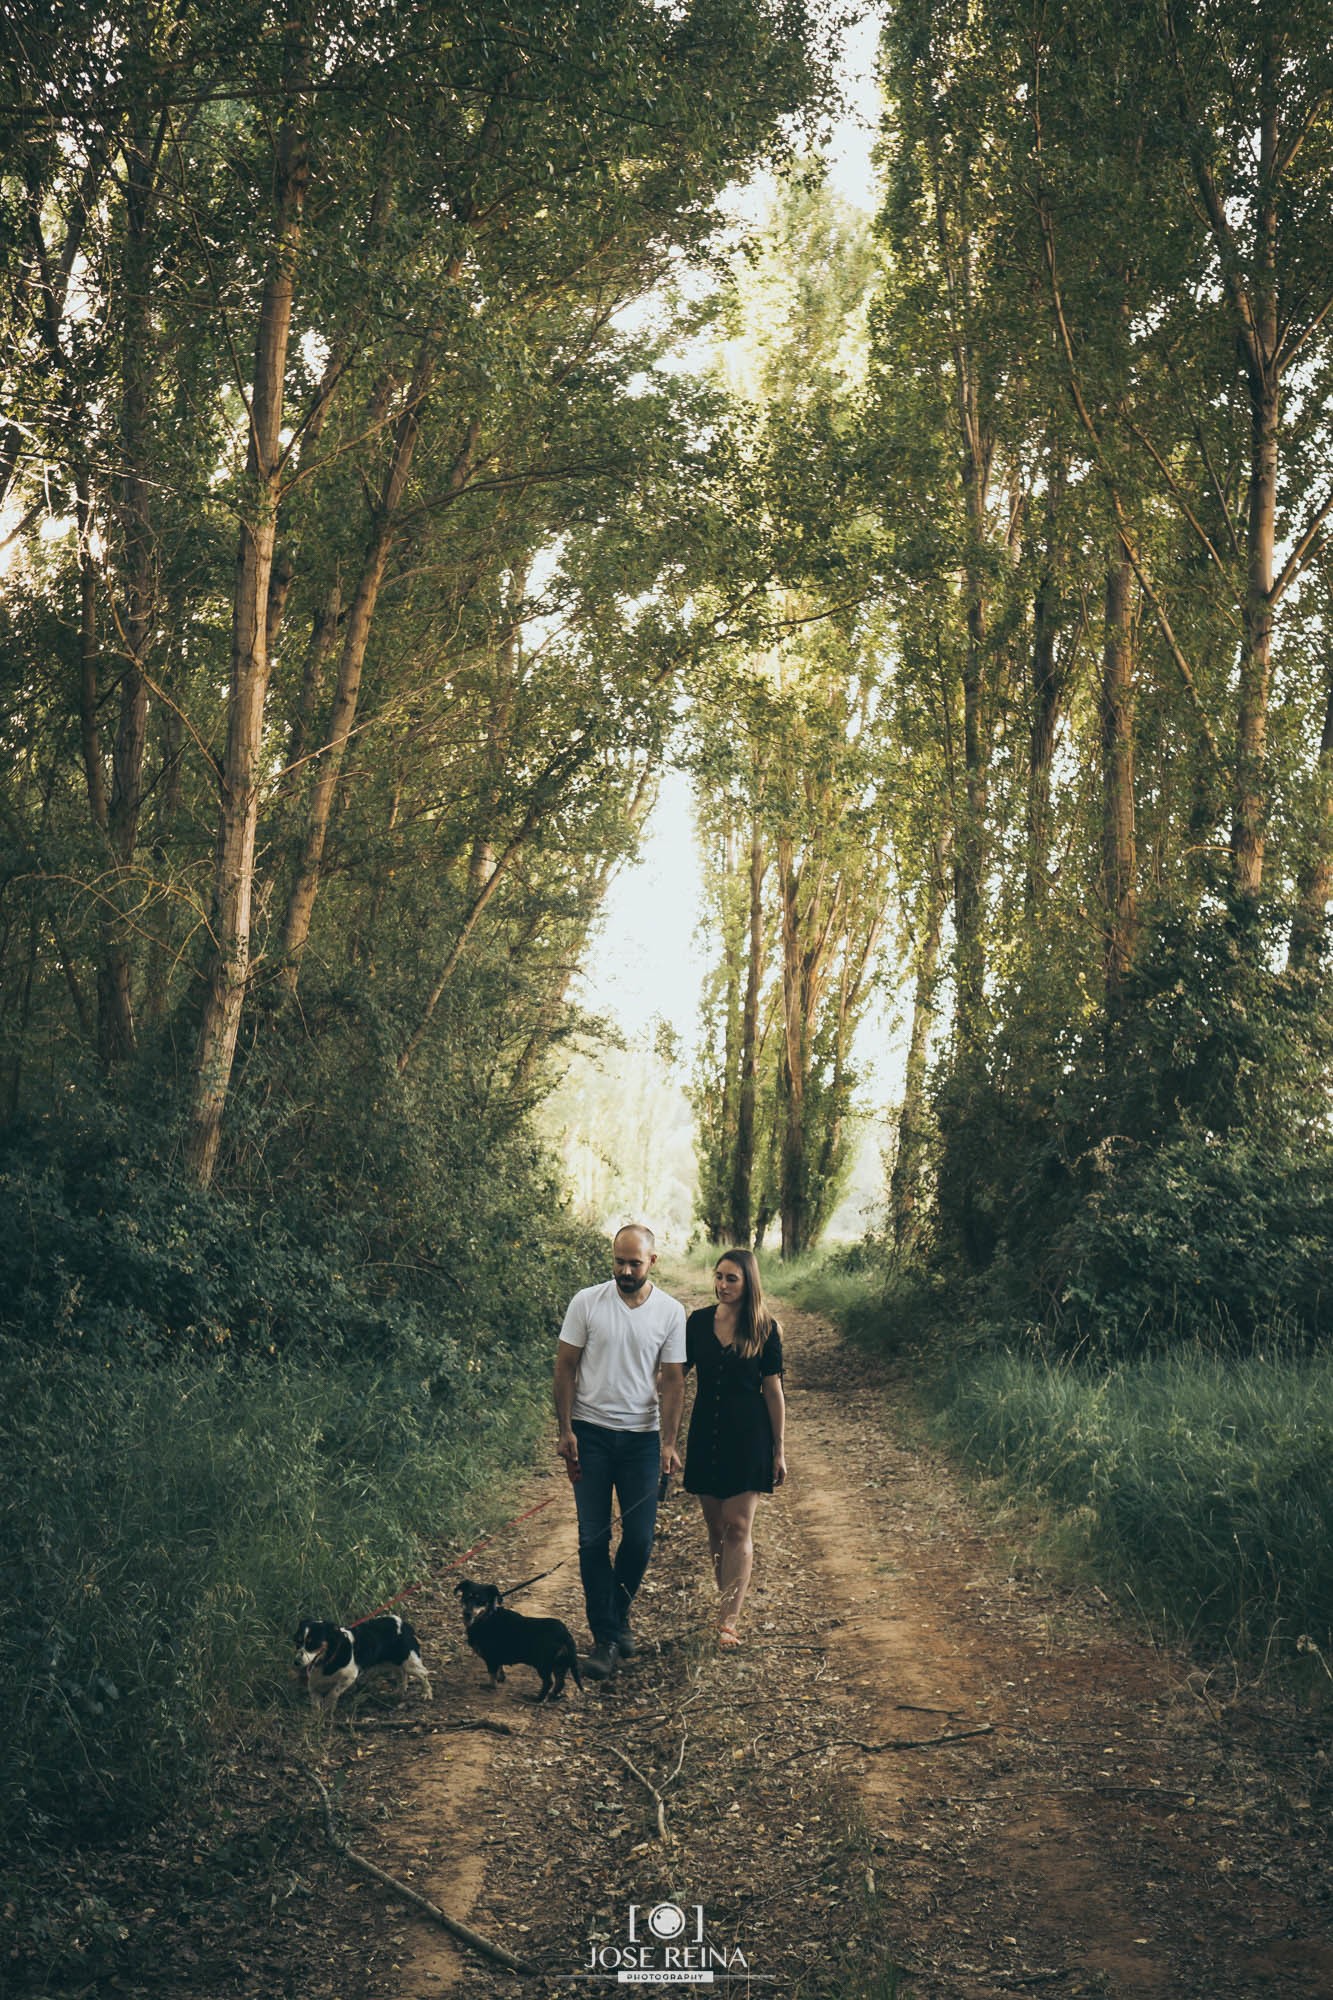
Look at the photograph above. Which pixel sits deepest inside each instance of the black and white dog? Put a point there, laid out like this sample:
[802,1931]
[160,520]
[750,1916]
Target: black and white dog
[508,1639]
[333,1657]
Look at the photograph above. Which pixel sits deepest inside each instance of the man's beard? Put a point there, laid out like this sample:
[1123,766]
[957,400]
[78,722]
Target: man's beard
[632,1284]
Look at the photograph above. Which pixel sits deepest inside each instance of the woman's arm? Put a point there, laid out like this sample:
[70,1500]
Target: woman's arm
[771,1390]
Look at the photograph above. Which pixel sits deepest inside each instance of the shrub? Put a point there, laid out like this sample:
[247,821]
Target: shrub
[1166,1177]
[164,1526]
[1199,1480]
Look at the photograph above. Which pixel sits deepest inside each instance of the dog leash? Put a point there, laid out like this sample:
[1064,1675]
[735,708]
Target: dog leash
[514,1588]
[458,1562]
[412,1588]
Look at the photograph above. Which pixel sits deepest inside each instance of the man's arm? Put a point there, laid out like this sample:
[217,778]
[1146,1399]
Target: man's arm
[567,1361]
[671,1392]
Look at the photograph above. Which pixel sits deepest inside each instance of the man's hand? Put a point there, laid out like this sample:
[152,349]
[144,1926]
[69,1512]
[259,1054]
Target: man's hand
[567,1362]
[670,1461]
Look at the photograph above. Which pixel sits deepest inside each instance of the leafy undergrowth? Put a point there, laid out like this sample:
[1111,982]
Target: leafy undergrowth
[1199,1480]
[161,1532]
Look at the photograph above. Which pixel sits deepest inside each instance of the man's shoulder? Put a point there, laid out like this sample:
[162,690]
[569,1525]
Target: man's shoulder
[590,1294]
[575,1326]
[668,1307]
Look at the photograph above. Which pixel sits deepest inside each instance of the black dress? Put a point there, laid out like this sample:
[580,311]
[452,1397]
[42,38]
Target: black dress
[730,1446]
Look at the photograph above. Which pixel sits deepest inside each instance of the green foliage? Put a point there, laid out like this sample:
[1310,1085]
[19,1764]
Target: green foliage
[621,1123]
[1198,1481]
[490,522]
[1171,1183]
[1195,1480]
[221,1410]
[793,757]
[164,1527]
[359,1218]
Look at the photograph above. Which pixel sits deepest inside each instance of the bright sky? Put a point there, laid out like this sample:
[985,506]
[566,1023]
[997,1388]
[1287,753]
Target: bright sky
[648,960]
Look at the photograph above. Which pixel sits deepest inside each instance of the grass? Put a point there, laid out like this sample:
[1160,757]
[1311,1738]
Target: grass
[162,1530]
[1203,1483]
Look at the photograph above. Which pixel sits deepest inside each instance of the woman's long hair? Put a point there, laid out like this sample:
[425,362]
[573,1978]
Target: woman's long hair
[754,1321]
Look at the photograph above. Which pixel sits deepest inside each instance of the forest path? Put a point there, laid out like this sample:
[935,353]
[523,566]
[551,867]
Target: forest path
[1119,1829]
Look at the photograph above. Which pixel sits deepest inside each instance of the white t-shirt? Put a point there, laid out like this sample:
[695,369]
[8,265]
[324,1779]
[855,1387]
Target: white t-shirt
[623,1348]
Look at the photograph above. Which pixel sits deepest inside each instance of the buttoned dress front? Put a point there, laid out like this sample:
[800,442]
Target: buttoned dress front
[730,1445]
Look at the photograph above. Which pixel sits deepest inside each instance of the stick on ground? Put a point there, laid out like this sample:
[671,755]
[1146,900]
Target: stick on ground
[648,1784]
[474,1939]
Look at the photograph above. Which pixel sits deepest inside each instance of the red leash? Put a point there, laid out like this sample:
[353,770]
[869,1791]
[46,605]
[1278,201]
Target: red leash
[458,1562]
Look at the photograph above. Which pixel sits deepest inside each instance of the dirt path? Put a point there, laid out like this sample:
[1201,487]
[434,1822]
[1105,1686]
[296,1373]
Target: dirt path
[1124,1825]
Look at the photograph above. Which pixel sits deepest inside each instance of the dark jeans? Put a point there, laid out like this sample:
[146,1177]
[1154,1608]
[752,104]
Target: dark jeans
[625,1463]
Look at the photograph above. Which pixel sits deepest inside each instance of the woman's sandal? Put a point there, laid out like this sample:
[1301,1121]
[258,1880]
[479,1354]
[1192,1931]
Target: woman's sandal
[728,1638]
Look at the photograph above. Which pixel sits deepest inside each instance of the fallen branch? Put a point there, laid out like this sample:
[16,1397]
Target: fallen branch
[474,1939]
[996,1975]
[422,1723]
[892,1743]
[1043,1978]
[648,1784]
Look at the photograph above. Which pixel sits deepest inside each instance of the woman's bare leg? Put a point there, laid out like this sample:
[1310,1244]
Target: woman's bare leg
[712,1512]
[737,1524]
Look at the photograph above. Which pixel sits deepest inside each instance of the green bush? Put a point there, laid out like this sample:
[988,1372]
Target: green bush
[163,1528]
[1163,1178]
[221,1410]
[1199,1480]
[354,1214]
[1196,1238]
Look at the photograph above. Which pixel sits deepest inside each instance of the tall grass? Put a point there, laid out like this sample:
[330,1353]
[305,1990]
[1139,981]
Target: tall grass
[162,1529]
[1203,1481]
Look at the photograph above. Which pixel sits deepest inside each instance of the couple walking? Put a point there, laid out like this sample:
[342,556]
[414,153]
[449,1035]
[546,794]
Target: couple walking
[622,1345]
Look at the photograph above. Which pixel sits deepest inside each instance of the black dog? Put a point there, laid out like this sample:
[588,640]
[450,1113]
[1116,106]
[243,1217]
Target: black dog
[507,1639]
[334,1656]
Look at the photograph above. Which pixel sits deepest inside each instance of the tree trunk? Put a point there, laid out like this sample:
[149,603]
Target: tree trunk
[116,1035]
[323,631]
[1309,928]
[90,734]
[1255,304]
[791,1068]
[727,1112]
[742,1175]
[1047,689]
[1247,840]
[241,772]
[361,612]
[909,1159]
[1119,865]
[970,840]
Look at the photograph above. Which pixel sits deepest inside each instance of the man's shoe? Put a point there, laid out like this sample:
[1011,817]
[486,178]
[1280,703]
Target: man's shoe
[626,1645]
[602,1661]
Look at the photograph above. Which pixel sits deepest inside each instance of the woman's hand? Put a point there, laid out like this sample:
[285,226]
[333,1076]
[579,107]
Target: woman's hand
[779,1465]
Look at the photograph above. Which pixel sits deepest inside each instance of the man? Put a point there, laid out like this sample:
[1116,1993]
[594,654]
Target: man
[618,1340]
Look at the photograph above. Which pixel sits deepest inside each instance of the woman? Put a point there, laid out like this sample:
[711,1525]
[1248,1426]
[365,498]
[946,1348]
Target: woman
[735,1449]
